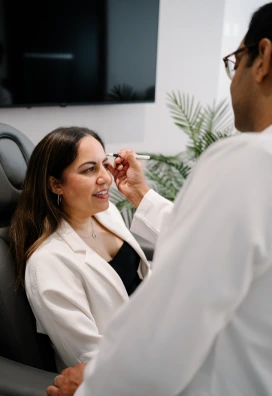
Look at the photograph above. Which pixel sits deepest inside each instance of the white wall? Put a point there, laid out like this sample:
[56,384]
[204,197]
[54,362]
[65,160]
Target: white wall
[189,47]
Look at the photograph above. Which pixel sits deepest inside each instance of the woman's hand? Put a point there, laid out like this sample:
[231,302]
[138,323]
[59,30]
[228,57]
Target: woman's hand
[129,176]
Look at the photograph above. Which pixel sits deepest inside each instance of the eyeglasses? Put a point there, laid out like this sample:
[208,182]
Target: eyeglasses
[230,63]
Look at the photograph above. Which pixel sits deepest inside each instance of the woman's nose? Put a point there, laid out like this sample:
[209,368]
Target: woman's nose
[104,176]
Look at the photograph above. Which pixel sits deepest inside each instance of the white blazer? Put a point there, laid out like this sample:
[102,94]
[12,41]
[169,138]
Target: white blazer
[74,292]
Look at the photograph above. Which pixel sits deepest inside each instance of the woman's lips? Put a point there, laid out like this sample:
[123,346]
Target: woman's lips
[104,194]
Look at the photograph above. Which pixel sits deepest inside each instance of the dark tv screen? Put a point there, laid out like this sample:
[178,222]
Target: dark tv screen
[77,52]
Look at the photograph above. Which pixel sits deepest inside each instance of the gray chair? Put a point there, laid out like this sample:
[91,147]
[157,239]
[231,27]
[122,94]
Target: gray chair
[27,364]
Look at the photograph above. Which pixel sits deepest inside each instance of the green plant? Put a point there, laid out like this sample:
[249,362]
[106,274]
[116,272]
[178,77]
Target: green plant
[203,125]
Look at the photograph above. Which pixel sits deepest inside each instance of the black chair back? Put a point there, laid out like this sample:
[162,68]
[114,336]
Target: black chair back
[19,340]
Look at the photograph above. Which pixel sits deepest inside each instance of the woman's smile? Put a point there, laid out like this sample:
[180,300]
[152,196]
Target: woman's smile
[103,194]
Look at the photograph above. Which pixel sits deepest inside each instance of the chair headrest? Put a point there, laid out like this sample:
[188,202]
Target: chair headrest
[15,151]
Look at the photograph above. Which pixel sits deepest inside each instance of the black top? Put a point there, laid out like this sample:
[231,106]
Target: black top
[126,263]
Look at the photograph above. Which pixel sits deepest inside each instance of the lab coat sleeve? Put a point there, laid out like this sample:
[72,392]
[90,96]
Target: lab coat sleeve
[148,218]
[216,238]
[57,297]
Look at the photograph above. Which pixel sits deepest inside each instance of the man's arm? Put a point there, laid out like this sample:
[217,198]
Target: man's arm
[148,218]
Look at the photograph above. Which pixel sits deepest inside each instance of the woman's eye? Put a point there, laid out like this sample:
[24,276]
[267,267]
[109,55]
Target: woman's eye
[91,169]
[94,168]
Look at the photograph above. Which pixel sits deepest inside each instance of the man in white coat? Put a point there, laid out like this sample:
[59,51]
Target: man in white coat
[202,324]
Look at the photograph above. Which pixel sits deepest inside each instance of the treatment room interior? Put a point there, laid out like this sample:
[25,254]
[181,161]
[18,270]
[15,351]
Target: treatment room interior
[193,38]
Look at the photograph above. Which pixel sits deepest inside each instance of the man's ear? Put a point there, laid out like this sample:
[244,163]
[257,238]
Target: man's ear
[264,61]
[54,185]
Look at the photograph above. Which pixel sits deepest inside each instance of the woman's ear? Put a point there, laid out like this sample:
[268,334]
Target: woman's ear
[54,185]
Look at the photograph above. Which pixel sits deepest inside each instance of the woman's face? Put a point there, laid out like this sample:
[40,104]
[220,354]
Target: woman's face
[86,181]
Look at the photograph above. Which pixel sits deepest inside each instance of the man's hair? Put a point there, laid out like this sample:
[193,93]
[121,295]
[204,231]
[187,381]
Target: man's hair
[260,27]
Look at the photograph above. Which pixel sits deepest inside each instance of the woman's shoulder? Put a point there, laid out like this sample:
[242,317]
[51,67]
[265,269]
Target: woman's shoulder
[52,258]
[54,245]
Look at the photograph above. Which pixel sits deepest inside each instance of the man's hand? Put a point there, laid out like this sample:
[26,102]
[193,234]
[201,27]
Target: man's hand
[129,176]
[67,382]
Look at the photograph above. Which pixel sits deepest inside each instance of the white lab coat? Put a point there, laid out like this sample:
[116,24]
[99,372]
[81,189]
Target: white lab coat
[74,292]
[202,324]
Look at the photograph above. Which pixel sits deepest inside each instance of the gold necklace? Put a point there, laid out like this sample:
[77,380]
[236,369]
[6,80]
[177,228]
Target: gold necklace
[93,234]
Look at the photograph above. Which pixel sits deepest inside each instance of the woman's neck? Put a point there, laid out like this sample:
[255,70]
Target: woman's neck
[81,224]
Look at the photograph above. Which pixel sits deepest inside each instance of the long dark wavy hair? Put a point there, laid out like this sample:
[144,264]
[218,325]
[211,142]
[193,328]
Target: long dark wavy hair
[37,214]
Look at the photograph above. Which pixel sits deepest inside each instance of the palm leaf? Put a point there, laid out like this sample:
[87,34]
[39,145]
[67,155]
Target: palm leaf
[168,164]
[186,114]
[164,187]
[217,117]
[203,125]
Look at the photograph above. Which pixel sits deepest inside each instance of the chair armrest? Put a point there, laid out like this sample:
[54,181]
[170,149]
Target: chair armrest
[17,379]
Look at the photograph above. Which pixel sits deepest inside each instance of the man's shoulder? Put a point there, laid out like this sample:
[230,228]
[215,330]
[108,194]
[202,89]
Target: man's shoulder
[239,156]
[241,144]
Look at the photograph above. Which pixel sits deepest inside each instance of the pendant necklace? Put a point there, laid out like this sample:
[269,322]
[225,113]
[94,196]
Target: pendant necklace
[93,234]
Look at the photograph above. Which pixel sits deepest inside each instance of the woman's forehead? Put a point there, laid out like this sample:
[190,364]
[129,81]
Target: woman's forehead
[89,149]
[89,144]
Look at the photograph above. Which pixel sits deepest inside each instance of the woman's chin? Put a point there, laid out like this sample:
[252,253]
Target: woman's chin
[104,205]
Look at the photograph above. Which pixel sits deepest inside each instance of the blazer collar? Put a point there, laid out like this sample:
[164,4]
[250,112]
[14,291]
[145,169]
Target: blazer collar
[94,260]
[115,225]
[98,264]
[119,228]
[71,237]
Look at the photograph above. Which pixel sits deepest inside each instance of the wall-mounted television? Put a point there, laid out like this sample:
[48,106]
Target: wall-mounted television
[77,52]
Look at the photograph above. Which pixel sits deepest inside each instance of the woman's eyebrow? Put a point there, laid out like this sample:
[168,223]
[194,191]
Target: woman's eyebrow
[92,162]
[87,163]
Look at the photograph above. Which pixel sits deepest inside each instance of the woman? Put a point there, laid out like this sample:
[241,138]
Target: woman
[73,252]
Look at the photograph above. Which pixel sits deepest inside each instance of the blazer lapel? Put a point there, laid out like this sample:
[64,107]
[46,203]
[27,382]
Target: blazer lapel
[99,265]
[113,223]
[92,259]
[119,228]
